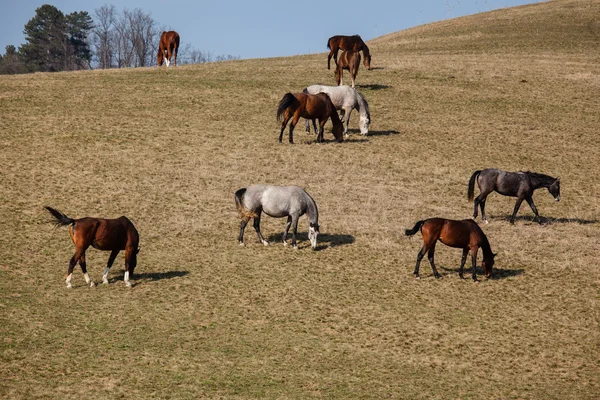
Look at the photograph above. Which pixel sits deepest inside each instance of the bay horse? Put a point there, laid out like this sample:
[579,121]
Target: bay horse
[102,234]
[167,46]
[277,201]
[516,184]
[354,42]
[302,105]
[346,99]
[465,234]
[349,60]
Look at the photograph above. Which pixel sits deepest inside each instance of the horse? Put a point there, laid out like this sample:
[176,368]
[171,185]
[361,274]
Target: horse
[296,105]
[346,99]
[465,234]
[102,234]
[354,42]
[349,60]
[277,201]
[167,46]
[516,184]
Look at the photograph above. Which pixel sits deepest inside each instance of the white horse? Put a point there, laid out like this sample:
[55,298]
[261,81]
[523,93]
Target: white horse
[277,201]
[344,98]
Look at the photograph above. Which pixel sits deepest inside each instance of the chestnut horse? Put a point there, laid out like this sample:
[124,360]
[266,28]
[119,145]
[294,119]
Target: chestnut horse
[465,234]
[355,43]
[167,47]
[102,234]
[310,106]
[349,60]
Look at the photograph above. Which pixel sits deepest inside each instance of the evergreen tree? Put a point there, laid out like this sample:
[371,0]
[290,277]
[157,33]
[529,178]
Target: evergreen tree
[79,24]
[47,41]
[10,62]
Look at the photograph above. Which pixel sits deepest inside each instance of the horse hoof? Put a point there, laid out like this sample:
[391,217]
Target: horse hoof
[295,247]
[92,284]
[460,276]
[417,277]
[69,286]
[285,244]
[438,277]
[486,221]
[265,243]
[242,244]
[128,284]
[105,281]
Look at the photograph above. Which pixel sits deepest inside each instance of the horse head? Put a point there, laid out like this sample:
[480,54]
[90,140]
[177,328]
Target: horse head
[487,264]
[554,189]
[364,122]
[160,57]
[313,232]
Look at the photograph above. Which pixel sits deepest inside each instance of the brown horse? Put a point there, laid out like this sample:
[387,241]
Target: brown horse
[168,46]
[465,234]
[102,234]
[349,60]
[310,106]
[355,43]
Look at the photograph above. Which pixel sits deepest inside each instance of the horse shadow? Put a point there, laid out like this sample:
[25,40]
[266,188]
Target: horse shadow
[374,86]
[152,276]
[499,273]
[376,68]
[548,221]
[324,240]
[383,133]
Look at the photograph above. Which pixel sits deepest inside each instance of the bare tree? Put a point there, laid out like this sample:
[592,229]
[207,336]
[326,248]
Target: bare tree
[104,35]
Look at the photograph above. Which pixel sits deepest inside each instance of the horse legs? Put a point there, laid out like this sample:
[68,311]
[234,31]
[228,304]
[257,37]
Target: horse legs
[482,206]
[111,260]
[534,209]
[257,228]
[352,78]
[175,55]
[243,224]
[474,257]
[286,118]
[420,256]
[294,230]
[72,263]
[462,263]
[322,123]
[307,125]
[130,253]
[514,214]
[83,266]
[480,201]
[430,257]
[346,121]
[287,228]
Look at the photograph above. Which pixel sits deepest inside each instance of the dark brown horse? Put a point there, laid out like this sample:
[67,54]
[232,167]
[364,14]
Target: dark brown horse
[466,235]
[350,61]
[167,47]
[516,184]
[354,42]
[310,106]
[102,234]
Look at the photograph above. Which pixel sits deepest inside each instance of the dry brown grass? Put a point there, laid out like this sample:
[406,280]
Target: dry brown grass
[513,89]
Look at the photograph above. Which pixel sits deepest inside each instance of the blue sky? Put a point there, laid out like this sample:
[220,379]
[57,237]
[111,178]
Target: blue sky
[251,29]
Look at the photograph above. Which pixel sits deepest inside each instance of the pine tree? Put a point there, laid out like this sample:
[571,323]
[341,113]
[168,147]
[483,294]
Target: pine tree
[47,41]
[79,24]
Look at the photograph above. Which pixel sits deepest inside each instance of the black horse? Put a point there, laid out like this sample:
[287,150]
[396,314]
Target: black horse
[516,184]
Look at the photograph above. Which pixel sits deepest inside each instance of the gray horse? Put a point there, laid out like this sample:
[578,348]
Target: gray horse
[516,184]
[277,201]
[346,99]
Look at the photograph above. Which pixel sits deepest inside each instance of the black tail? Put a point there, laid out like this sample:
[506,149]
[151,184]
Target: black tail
[329,47]
[61,219]
[287,101]
[415,229]
[472,185]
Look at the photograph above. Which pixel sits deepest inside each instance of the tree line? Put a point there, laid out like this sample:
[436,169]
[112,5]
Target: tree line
[111,39]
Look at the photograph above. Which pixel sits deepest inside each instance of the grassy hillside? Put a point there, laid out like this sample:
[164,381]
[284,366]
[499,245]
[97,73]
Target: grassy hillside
[515,89]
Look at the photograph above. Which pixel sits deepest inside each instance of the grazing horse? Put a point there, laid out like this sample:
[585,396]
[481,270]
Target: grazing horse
[465,234]
[346,99]
[349,60]
[168,46]
[277,201]
[301,105]
[102,234]
[516,184]
[354,42]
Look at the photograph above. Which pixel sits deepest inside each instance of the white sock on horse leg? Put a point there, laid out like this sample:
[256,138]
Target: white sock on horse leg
[126,279]
[69,277]
[105,276]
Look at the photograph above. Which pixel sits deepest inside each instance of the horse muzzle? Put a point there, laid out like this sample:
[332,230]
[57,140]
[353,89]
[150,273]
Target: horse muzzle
[557,198]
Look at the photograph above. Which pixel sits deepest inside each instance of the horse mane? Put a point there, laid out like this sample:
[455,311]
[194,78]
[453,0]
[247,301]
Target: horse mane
[540,178]
[361,99]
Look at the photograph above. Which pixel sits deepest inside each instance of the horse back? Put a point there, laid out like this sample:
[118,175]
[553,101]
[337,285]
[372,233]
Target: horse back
[505,183]
[115,234]
[462,234]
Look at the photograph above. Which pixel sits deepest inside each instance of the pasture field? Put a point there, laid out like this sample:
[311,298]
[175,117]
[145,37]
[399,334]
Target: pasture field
[515,89]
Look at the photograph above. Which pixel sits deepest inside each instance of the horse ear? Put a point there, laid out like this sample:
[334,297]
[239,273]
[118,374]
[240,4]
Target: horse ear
[138,249]
[494,254]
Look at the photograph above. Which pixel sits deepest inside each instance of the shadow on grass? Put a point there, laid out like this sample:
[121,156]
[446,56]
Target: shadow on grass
[324,240]
[374,86]
[153,276]
[382,133]
[547,221]
[375,68]
[499,273]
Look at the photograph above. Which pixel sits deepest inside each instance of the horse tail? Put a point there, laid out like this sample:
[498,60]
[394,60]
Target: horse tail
[328,43]
[415,229]
[471,189]
[243,211]
[286,102]
[60,218]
